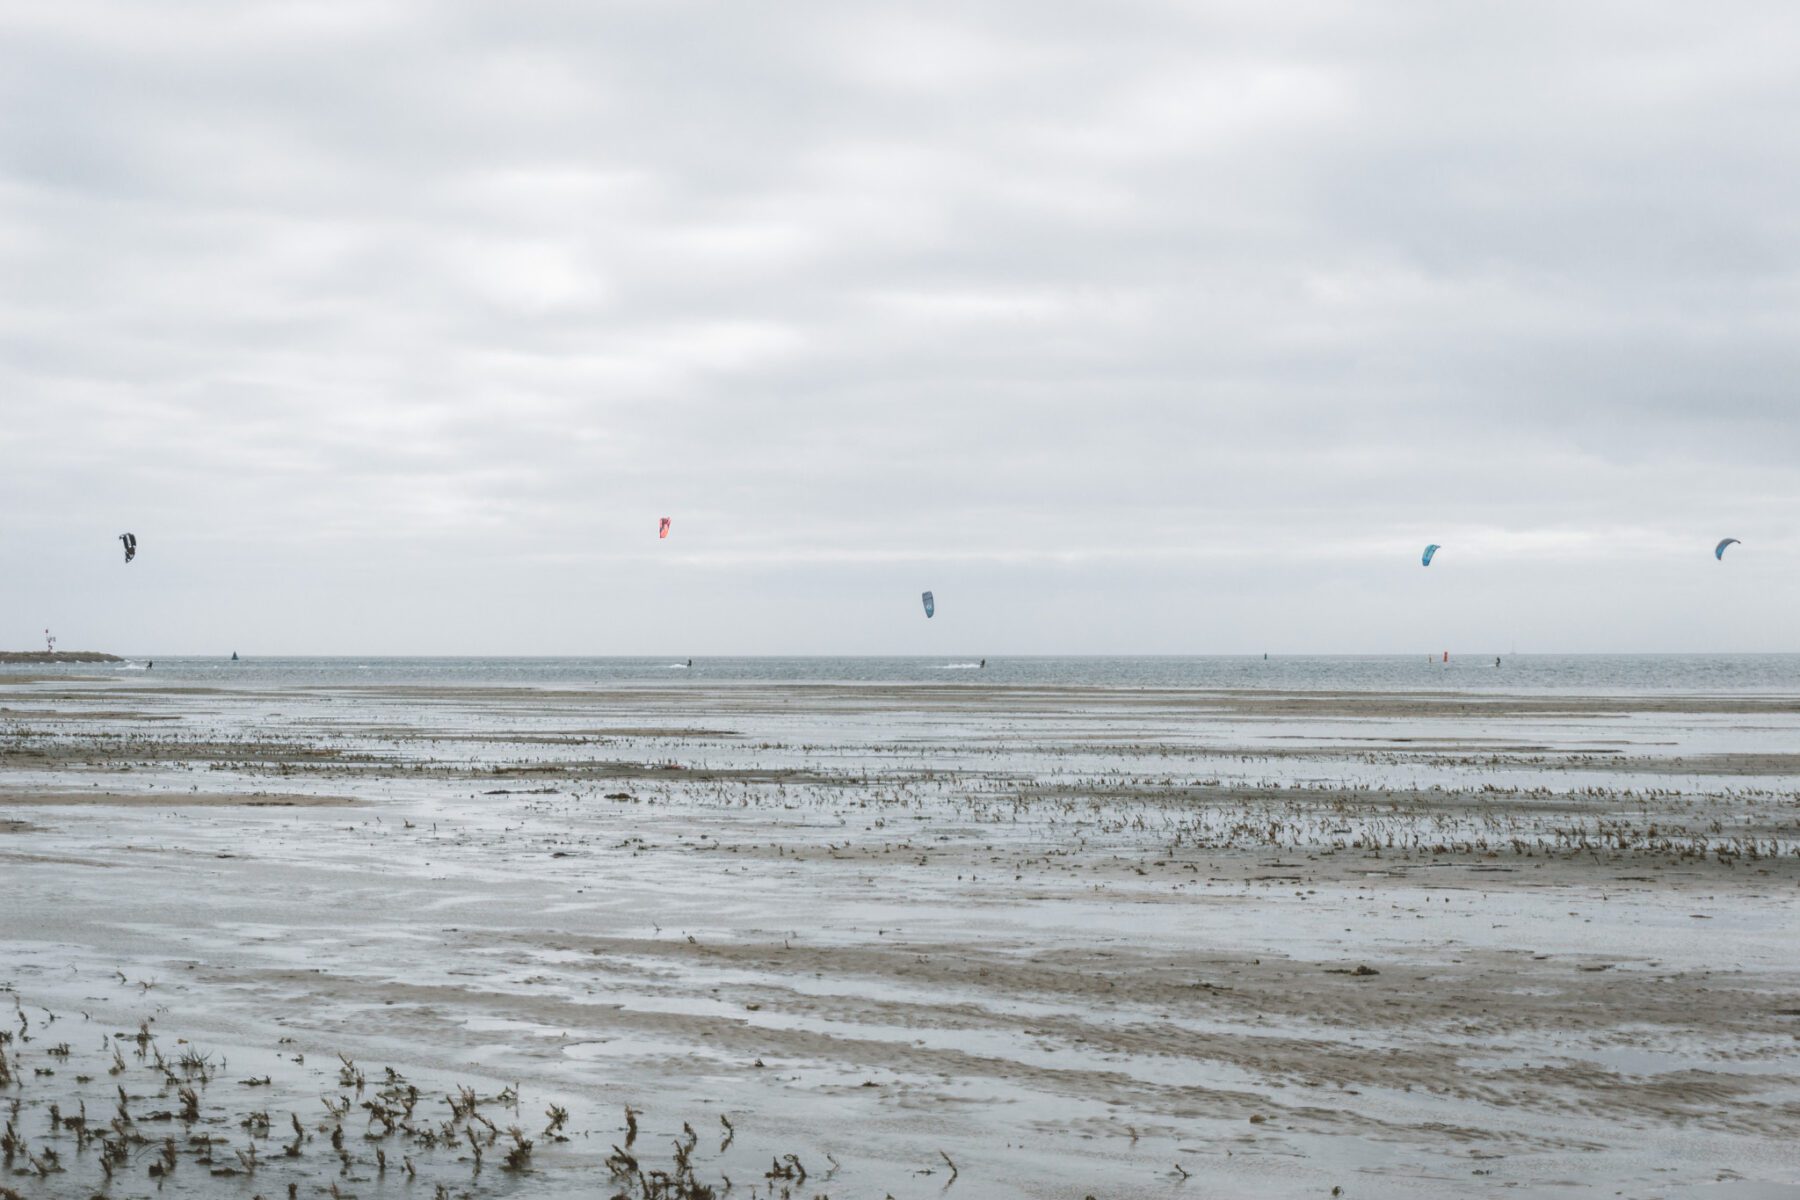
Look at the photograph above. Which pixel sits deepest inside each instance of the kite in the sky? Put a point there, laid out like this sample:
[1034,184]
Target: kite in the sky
[930,604]
[1719,550]
[662,528]
[1425,559]
[130,541]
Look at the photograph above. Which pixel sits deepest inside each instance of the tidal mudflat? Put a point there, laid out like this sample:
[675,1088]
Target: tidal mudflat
[919,941]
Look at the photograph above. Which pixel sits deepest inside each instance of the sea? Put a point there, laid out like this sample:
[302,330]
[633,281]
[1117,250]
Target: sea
[1588,674]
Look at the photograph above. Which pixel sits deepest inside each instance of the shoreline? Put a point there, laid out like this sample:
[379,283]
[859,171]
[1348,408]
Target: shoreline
[1062,940]
[56,656]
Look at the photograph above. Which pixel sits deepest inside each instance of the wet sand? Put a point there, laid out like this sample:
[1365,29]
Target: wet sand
[928,940]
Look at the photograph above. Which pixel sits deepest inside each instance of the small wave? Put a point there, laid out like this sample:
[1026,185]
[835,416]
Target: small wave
[678,666]
[960,667]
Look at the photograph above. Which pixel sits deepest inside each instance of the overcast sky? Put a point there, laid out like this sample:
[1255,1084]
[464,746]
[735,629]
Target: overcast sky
[1124,327]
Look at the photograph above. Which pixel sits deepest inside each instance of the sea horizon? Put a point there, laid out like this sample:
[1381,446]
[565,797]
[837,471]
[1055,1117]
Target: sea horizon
[1491,671]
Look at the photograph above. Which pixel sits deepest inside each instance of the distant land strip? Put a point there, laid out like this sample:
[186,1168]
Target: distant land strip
[56,656]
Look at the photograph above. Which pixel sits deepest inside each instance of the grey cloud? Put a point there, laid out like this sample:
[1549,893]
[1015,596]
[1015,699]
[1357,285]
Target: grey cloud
[1128,327]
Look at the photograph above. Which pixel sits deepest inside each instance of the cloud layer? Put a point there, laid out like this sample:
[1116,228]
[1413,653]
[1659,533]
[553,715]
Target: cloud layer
[393,327]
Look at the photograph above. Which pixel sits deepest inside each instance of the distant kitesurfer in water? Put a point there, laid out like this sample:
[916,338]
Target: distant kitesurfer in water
[149,665]
[984,663]
[1496,660]
[690,662]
